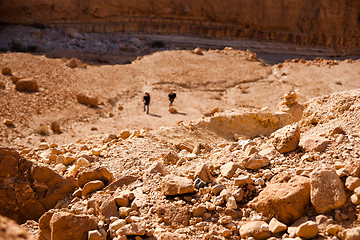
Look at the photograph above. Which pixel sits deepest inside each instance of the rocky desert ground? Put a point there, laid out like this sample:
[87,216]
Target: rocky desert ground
[253,148]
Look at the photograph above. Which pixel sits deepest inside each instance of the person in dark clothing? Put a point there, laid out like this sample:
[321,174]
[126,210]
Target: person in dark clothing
[146,100]
[172,97]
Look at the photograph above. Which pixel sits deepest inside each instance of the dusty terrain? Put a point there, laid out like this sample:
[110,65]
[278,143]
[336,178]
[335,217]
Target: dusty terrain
[228,165]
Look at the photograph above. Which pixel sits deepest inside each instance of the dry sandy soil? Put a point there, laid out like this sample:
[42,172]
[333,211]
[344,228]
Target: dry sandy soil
[225,79]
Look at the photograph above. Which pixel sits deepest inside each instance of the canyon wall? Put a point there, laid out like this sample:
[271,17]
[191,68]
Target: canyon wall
[325,23]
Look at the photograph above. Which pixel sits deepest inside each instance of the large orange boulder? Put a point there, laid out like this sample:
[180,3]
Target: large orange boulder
[285,201]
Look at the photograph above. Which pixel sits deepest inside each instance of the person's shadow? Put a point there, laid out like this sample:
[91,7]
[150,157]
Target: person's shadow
[154,115]
[181,113]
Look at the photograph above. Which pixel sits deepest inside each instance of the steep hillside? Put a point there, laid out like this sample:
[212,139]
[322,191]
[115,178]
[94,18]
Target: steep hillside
[323,23]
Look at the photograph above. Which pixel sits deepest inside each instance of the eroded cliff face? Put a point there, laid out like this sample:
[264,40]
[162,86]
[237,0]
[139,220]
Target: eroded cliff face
[328,23]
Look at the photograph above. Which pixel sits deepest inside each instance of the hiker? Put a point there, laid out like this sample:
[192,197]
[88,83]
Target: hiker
[146,100]
[172,97]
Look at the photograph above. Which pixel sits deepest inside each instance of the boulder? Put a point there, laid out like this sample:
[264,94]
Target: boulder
[95,173]
[327,190]
[255,161]
[286,139]
[314,143]
[27,85]
[35,188]
[285,201]
[124,134]
[92,186]
[87,100]
[259,230]
[174,185]
[65,225]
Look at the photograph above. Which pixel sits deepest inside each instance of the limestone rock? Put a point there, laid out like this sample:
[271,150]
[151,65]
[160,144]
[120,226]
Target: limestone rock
[27,85]
[313,143]
[157,167]
[327,190]
[255,229]
[275,226]
[228,169]
[352,183]
[132,229]
[87,100]
[65,225]
[203,173]
[255,161]
[95,173]
[2,85]
[307,230]
[94,235]
[92,186]
[172,110]
[286,201]
[173,185]
[198,51]
[286,139]
[108,208]
[121,181]
[351,234]
[74,63]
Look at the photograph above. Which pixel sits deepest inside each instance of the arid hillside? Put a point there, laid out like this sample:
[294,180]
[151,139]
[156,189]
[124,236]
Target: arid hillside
[332,24]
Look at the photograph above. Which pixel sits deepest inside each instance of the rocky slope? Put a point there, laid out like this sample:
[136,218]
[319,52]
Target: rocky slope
[186,182]
[309,23]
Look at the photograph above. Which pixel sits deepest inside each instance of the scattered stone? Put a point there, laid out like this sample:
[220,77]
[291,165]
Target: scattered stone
[290,105]
[27,85]
[307,230]
[352,183]
[286,139]
[174,185]
[94,235]
[198,51]
[313,143]
[6,71]
[95,173]
[157,167]
[92,186]
[132,229]
[125,134]
[55,127]
[198,183]
[255,161]
[8,123]
[74,63]
[203,173]
[275,226]
[327,190]
[172,110]
[87,100]
[228,169]
[255,229]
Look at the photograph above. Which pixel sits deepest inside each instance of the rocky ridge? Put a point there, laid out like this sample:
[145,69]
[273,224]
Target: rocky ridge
[188,182]
[305,22]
